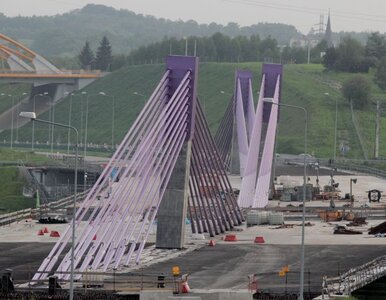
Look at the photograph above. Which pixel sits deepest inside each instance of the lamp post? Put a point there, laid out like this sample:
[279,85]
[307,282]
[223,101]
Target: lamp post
[33,123]
[113,115]
[336,124]
[270,100]
[138,94]
[17,117]
[52,120]
[11,145]
[69,121]
[86,123]
[32,117]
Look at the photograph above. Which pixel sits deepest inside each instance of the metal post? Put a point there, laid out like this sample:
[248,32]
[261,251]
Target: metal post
[75,194]
[69,123]
[11,145]
[304,207]
[301,289]
[336,126]
[112,124]
[85,131]
[52,127]
[33,123]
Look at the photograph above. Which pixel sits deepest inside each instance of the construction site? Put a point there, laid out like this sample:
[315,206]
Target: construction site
[178,214]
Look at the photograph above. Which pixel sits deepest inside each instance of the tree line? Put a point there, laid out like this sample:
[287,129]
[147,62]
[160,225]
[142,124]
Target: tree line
[222,48]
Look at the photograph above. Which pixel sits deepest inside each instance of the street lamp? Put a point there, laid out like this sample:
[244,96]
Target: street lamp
[52,119]
[270,100]
[138,94]
[336,123]
[86,123]
[69,120]
[32,117]
[12,120]
[17,117]
[113,115]
[33,123]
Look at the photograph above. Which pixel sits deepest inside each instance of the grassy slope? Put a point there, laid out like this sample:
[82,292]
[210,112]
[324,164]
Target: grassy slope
[11,184]
[16,90]
[303,85]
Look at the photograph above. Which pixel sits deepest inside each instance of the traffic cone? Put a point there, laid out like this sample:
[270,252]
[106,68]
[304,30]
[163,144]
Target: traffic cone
[54,234]
[40,232]
[45,230]
[94,238]
[259,240]
[212,243]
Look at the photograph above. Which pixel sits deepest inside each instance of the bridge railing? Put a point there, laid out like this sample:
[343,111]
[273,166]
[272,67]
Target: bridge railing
[63,71]
[355,278]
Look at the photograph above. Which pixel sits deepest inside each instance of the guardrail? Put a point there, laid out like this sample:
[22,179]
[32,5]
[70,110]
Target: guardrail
[355,278]
[16,216]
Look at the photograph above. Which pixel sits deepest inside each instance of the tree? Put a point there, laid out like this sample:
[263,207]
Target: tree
[86,57]
[104,57]
[357,89]
[376,46]
[380,74]
[351,53]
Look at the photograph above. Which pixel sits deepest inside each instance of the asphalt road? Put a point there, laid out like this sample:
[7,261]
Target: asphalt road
[225,266]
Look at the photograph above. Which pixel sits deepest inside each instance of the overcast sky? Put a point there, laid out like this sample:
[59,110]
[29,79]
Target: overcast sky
[347,15]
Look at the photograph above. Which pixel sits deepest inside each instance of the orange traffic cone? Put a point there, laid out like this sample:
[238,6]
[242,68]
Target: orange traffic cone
[54,234]
[212,243]
[40,232]
[45,230]
[94,238]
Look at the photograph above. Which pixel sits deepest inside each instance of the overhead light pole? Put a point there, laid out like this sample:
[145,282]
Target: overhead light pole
[112,115]
[17,117]
[302,250]
[32,117]
[86,123]
[33,123]
[11,143]
[336,124]
[138,94]
[69,121]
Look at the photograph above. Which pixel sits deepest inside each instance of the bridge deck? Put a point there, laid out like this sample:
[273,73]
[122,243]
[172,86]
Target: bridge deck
[46,75]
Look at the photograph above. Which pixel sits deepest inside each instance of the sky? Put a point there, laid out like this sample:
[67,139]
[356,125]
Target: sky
[346,15]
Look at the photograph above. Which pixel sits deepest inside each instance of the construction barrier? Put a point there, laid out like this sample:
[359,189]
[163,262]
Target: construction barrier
[230,238]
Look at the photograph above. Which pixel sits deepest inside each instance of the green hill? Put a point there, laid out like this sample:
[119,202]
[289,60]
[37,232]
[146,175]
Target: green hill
[303,85]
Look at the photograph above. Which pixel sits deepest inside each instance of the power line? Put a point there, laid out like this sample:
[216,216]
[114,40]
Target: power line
[310,10]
